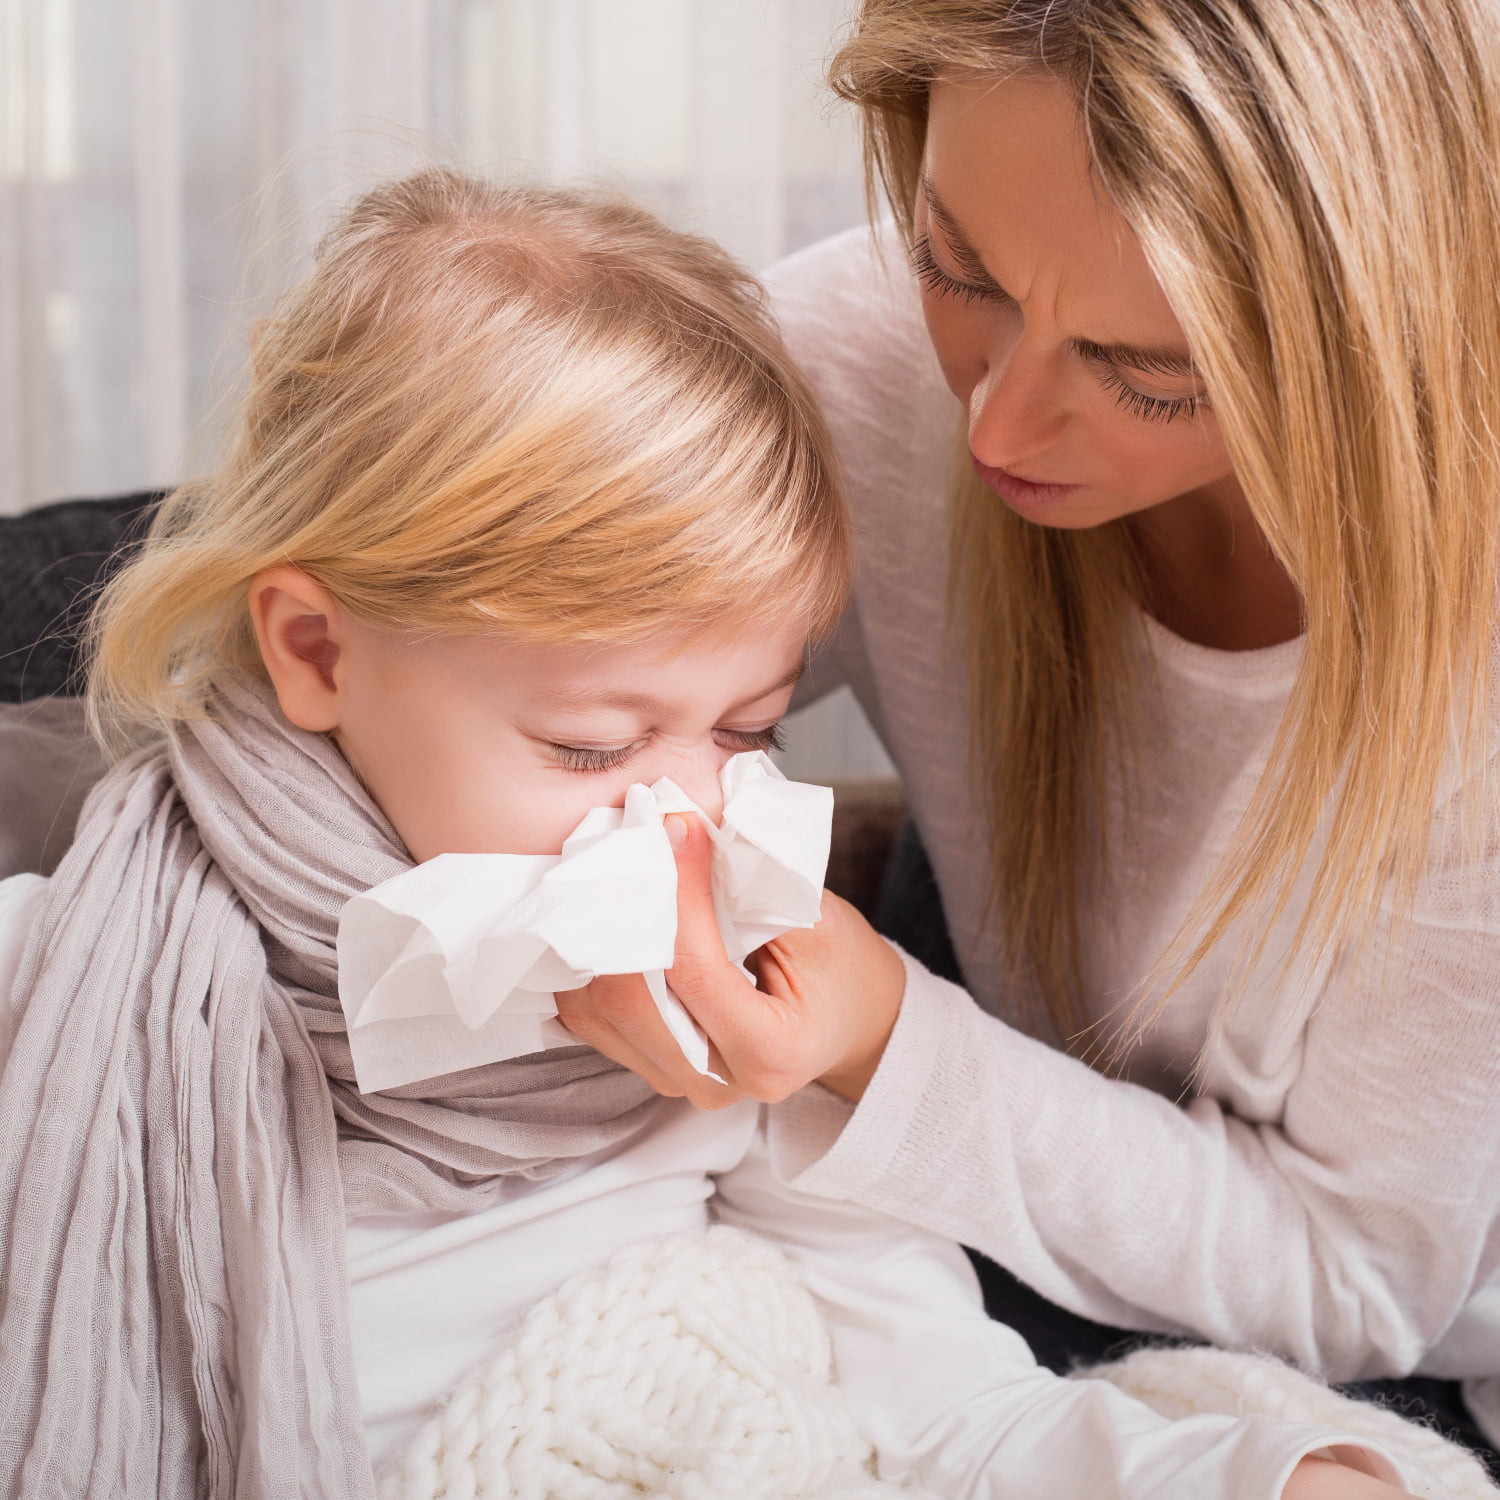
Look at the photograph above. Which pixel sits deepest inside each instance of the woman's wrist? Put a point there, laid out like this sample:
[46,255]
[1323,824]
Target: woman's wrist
[851,1080]
[878,1008]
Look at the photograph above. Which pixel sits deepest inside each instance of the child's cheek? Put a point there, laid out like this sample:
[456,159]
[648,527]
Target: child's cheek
[535,812]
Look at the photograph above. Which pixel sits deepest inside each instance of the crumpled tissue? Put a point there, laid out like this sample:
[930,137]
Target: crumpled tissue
[454,963]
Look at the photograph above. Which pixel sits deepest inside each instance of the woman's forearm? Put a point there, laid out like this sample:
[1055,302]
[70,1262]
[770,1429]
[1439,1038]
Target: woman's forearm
[1321,1246]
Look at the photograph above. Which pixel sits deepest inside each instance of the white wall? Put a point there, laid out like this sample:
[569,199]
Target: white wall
[165,164]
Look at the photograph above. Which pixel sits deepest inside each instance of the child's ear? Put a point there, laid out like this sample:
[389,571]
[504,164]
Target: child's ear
[302,634]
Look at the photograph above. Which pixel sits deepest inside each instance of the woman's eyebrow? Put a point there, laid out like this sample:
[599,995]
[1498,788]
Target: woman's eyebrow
[957,241]
[1148,359]
[1163,360]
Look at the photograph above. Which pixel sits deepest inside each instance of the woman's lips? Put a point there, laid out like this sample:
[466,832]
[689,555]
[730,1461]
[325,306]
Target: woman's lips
[1017,491]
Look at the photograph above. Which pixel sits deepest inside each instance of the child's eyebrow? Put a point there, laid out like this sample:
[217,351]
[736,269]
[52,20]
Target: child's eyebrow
[791,679]
[644,703]
[564,697]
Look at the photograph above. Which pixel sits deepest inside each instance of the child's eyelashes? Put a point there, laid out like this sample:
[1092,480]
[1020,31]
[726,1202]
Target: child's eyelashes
[593,760]
[768,739]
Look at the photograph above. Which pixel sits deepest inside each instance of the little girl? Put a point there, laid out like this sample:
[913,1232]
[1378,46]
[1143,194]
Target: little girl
[527,506]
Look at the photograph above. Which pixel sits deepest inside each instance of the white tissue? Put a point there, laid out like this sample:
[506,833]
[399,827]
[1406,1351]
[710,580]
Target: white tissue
[454,963]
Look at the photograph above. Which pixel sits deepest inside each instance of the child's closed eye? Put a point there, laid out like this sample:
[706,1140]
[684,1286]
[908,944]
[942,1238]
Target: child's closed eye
[590,760]
[769,738]
[594,760]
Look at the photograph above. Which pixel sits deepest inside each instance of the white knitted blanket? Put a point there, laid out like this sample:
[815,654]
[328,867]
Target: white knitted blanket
[698,1368]
[1181,1382]
[695,1367]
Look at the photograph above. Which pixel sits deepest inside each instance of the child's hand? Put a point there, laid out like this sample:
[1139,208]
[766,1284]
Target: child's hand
[827,1001]
[1324,1479]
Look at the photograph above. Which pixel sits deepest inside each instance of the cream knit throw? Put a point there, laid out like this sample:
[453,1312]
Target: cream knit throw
[695,1367]
[698,1368]
[1182,1382]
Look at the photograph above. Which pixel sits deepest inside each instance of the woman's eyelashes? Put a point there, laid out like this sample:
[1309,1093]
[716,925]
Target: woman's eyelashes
[591,760]
[926,269]
[982,289]
[1148,408]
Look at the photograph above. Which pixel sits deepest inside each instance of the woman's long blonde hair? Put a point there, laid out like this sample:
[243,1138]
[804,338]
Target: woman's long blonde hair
[1315,185]
[521,410]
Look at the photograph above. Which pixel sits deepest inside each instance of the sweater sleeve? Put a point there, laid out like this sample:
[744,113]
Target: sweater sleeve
[1348,1236]
[955,1404]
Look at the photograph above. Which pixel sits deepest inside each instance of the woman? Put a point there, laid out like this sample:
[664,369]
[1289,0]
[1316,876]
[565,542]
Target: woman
[1202,738]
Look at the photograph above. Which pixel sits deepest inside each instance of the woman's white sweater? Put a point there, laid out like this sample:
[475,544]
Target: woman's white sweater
[1328,1187]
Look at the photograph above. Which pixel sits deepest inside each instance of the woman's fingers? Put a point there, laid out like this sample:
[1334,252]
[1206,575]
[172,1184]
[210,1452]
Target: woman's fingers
[583,1012]
[616,1015]
[827,997]
[700,954]
[715,992]
[827,1000]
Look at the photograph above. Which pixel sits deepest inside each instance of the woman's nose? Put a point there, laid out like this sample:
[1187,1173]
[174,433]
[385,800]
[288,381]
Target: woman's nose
[1015,409]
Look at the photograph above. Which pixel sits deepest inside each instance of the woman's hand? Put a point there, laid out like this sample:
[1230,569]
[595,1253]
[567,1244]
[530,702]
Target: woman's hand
[827,1000]
[1325,1479]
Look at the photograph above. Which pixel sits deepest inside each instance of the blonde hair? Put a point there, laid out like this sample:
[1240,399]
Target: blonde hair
[510,409]
[1314,185]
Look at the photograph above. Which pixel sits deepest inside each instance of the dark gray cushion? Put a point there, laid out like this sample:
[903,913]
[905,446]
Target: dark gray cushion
[48,762]
[52,561]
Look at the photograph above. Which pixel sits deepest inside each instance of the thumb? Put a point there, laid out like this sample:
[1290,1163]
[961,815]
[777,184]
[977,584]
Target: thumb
[698,938]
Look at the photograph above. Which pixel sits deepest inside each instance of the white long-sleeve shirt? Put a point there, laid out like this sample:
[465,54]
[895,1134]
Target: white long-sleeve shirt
[1328,1187]
[952,1402]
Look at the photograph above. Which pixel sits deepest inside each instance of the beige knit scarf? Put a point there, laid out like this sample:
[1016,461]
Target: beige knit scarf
[181,1139]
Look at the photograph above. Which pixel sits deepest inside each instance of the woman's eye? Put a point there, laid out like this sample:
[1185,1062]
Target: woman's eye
[926,269]
[590,761]
[1148,408]
[769,738]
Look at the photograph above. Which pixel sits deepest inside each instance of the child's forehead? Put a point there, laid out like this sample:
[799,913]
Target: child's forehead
[649,676]
[708,671]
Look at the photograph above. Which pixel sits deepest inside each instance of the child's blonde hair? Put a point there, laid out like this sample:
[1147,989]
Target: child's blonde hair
[519,409]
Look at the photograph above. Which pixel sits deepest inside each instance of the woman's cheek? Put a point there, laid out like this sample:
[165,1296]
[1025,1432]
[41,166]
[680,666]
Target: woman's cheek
[961,345]
[1176,458]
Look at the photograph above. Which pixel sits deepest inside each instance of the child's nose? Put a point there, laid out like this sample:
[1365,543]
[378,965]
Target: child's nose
[697,774]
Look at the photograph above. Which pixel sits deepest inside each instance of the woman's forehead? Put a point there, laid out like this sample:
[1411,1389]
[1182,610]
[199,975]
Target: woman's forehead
[1007,168]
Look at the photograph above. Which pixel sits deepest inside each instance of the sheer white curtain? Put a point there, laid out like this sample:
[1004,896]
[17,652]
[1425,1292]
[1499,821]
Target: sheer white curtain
[166,164]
